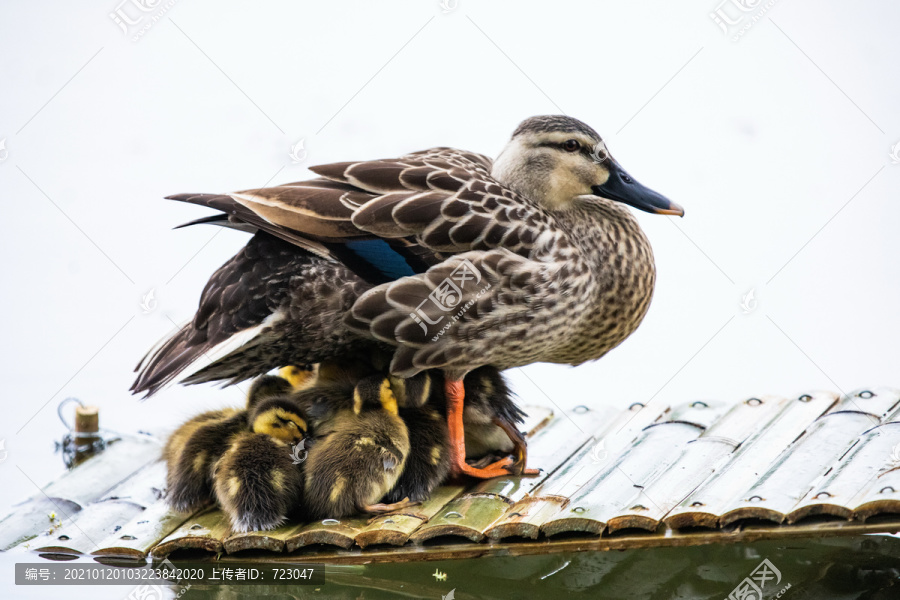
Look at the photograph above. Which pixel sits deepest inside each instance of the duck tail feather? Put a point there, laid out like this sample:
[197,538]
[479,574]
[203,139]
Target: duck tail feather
[161,365]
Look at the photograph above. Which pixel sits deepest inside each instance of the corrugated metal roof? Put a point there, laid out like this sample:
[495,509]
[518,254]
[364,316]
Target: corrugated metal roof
[766,467]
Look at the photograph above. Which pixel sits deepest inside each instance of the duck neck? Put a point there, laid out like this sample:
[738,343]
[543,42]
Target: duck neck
[618,253]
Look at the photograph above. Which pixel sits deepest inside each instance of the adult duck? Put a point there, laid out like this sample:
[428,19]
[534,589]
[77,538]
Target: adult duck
[440,259]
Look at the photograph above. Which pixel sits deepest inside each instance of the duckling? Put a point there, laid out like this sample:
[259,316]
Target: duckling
[258,482]
[423,409]
[359,453]
[490,417]
[332,390]
[193,448]
[491,420]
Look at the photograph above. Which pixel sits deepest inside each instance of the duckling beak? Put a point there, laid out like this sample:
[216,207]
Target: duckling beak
[623,188]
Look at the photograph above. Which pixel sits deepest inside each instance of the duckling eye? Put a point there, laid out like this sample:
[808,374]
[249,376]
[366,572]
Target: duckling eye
[571,146]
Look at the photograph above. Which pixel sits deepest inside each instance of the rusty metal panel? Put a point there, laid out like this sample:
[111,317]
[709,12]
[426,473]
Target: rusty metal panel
[704,506]
[699,459]
[621,484]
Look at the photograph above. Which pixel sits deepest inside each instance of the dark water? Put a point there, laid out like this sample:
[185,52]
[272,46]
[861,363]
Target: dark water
[863,567]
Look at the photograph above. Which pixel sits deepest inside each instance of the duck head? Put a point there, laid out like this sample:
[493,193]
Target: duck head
[555,159]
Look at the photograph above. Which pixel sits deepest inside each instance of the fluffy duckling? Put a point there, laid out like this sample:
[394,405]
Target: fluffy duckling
[359,452]
[259,480]
[332,391]
[423,409]
[490,417]
[191,452]
[193,448]
[491,420]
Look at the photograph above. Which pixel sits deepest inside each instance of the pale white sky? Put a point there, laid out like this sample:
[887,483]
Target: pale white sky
[777,145]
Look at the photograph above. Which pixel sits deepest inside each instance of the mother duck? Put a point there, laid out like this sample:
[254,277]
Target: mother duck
[442,259]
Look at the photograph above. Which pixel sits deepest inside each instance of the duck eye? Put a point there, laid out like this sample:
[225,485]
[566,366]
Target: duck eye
[571,145]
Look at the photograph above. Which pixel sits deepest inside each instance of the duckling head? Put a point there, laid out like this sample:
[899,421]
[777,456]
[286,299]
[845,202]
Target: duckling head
[299,376]
[267,386]
[553,160]
[280,418]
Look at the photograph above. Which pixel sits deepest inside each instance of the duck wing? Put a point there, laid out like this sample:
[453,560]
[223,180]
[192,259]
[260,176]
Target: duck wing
[475,308]
[433,203]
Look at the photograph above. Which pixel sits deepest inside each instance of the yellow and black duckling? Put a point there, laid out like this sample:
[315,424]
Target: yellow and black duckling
[424,411]
[491,420]
[258,482]
[193,448]
[191,452]
[360,449]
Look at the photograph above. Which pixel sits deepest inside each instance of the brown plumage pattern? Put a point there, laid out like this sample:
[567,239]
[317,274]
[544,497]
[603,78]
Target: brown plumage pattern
[423,408]
[440,259]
